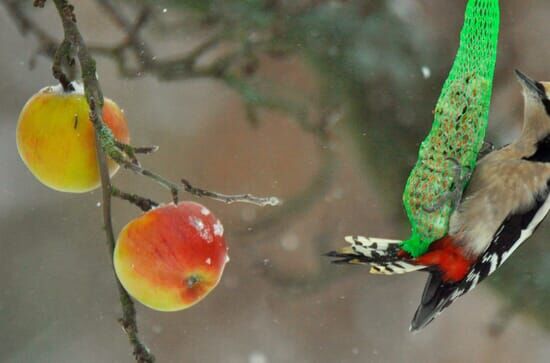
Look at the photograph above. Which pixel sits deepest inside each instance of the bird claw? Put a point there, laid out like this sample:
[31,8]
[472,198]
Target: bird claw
[461,175]
[486,149]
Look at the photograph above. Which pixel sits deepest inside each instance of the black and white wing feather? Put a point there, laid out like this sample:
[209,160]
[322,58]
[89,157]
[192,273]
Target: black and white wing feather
[515,229]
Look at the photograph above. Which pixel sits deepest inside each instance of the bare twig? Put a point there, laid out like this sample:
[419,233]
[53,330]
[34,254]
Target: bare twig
[244,198]
[136,168]
[145,204]
[131,151]
[146,149]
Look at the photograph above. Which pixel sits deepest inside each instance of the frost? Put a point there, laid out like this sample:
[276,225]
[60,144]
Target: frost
[200,227]
[58,89]
[274,201]
[257,357]
[205,211]
[197,223]
[218,229]
[78,87]
[426,72]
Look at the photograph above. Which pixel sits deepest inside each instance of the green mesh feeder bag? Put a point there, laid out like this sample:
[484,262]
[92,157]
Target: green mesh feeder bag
[458,130]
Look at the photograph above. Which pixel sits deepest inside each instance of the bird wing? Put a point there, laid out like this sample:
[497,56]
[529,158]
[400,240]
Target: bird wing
[515,229]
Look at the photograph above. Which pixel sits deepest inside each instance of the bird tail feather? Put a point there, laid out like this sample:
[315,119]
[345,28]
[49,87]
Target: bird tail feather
[381,254]
[437,296]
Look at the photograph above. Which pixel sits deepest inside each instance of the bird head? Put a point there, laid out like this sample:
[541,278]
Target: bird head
[536,120]
[536,95]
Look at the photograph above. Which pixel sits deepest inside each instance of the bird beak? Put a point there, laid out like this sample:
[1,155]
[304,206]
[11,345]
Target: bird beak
[530,85]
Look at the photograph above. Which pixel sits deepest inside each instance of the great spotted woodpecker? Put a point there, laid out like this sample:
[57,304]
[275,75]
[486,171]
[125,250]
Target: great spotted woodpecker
[506,198]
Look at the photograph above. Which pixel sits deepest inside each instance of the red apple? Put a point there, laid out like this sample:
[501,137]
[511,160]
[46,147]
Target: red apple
[56,139]
[172,256]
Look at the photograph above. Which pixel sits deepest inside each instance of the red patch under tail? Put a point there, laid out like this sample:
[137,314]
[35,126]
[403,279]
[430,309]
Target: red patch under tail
[449,258]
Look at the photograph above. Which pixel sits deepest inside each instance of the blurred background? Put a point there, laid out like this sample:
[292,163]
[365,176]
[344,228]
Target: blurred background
[321,103]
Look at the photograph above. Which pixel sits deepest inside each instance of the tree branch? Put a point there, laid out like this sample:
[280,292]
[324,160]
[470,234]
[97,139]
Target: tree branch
[73,45]
[73,41]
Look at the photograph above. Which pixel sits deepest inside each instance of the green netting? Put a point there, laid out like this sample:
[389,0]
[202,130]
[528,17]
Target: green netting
[458,129]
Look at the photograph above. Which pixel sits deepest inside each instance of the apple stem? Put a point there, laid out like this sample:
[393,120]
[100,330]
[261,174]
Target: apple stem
[63,56]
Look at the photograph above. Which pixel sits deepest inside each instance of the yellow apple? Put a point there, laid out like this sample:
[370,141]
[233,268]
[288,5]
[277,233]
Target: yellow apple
[56,140]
